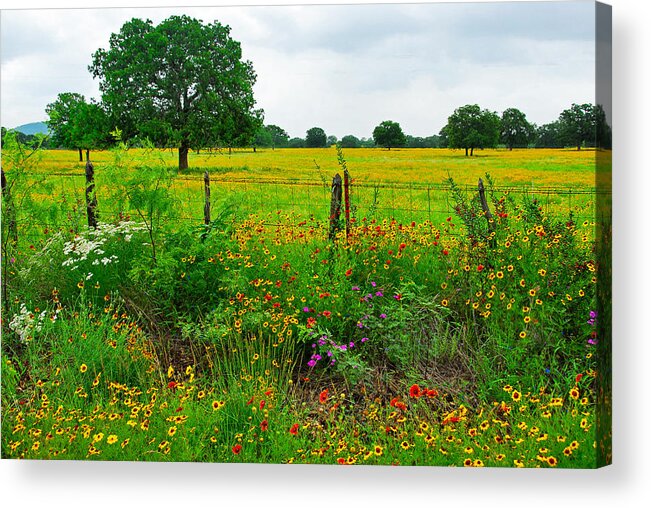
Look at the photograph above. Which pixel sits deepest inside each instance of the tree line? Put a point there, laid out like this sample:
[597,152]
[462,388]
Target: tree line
[183,84]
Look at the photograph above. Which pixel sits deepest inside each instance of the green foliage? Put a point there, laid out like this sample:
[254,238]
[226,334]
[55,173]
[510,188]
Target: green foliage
[180,83]
[577,125]
[516,131]
[316,138]
[470,127]
[349,141]
[389,134]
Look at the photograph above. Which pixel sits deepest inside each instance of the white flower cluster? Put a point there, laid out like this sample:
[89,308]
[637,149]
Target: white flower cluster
[26,322]
[90,245]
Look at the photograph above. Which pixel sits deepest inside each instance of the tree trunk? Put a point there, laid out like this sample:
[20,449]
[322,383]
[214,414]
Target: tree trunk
[466,151]
[81,155]
[87,155]
[183,155]
[472,151]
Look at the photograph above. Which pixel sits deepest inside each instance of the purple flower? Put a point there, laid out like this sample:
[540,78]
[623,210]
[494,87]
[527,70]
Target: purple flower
[360,324]
[593,314]
[343,347]
[311,363]
[355,288]
[364,339]
[306,309]
[373,284]
[322,342]
[383,316]
[379,293]
[352,344]
[592,342]
[329,353]
[313,345]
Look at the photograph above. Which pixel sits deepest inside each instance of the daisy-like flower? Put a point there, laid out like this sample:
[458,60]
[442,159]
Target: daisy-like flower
[112,439]
[83,367]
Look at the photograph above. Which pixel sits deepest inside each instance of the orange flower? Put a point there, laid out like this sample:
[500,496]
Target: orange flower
[323,398]
[264,425]
[414,391]
[294,429]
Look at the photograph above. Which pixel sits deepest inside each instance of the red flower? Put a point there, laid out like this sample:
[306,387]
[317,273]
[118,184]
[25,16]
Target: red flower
[268,393]
[327,313]
[578,377]
[323,398]
[402,246]
[349,272]
[268,297]
[445,252]
[237,449]
[341,461]
[414,391]
[310,322]
[480,268]
[393,401]
[250,401]
[432,393]
[262,403]
[401,406]
[172,384]
[294,429]
[264,425]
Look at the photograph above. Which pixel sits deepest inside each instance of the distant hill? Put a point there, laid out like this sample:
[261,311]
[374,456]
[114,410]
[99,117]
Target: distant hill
[32,128]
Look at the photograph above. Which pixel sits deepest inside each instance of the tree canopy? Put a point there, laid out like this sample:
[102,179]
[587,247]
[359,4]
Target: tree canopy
[316,138]
[516,129]
[389,134]
[181,83]
[577,125]
[76,124]
[470,127]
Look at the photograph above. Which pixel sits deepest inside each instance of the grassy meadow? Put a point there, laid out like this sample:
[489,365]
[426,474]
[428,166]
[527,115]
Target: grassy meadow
[427,336]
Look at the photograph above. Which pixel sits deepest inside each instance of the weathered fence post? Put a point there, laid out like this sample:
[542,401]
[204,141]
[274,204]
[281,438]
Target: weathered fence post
[206,193]
[347,200]
[91,197]
[335,206]
[10,214]
[487,214]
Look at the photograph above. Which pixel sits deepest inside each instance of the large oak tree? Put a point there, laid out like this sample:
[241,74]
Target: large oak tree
[181,83]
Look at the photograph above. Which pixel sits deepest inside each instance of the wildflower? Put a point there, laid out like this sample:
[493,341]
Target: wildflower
[294,429]
[264,425]
[83,367]
[323,397]
[414,391]
[237,449]
[112,439]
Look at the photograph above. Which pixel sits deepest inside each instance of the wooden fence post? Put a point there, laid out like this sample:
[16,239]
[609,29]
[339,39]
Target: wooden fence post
[347,200]
[335,206]
[91,197]
[206,193]
[487,214]
[10,213]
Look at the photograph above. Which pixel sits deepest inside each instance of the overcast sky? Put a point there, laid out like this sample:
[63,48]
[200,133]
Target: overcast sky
[344,68]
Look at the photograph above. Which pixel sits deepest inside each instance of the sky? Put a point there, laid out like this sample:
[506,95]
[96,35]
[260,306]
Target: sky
[344,68]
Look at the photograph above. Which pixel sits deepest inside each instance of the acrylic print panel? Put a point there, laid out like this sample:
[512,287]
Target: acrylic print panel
[352,234]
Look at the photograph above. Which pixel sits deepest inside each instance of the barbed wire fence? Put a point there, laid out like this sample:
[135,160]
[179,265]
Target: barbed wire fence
[265,197]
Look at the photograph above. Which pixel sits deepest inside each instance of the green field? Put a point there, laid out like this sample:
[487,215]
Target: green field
[426,336]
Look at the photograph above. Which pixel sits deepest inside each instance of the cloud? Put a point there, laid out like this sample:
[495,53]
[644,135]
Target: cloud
[343,68]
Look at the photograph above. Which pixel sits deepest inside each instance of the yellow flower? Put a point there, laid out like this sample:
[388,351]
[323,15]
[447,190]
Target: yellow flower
[112,439]
[83,367]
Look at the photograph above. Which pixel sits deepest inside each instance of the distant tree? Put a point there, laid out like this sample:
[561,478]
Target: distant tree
[180,83]
[332,140]
[604,132]
[349,141]
[470,127]
[420,142]
[577,125]
[296,143]
[316,138]
[389,134]
[366,143]
[61,114]
[262,138]
[443,137]
[548,136]
[516,130]
[78,125]
[279,137]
